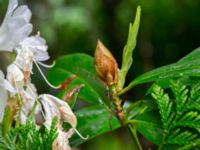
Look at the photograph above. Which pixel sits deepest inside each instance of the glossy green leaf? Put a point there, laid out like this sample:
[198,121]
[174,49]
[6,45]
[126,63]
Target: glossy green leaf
[135,109]
[186,67]
[191,68]
[149,125]
[93,121]
[80,65]
[129,48]
[194,55]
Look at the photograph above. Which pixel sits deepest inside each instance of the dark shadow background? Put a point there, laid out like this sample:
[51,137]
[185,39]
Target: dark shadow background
[169,30]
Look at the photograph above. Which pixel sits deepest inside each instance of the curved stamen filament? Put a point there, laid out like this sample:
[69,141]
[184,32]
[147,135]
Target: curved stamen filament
[45,65]
[79,134]
[52,86]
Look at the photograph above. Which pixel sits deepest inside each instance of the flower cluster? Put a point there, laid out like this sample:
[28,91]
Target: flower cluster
[15,36]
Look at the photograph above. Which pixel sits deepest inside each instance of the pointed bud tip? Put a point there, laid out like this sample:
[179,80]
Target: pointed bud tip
[105,64]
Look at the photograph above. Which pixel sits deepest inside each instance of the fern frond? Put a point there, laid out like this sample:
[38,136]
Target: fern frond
[181,137]
[190,119]
[164,105]
[195,93]
[7,142]
[28,137]
[50,135]
[195,145]
[180,93]
[194,98]
[181,124]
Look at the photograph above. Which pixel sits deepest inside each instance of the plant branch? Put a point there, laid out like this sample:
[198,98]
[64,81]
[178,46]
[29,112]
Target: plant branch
[121,115]
[126,89]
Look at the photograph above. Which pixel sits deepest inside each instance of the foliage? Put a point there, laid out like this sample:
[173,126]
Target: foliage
[28,136]
[105,108]
[180,119]
[106,104]
[127,59]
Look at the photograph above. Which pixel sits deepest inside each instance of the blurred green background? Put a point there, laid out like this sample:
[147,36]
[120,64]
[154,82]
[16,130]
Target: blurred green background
[169,30]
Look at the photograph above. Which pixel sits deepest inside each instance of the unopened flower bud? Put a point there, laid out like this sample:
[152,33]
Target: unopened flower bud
[105,65]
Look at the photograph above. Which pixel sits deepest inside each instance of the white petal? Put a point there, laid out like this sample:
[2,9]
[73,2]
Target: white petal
[3,99]
[14,74]
[15,77]
[50,110]
[61,142]
[15,26]
[31,91]
[24,59]
[9,87]
[23,12]
[3,95]
[1,77]
[11,6]
[55,107]
[37,46]
[5,84]
[68,116]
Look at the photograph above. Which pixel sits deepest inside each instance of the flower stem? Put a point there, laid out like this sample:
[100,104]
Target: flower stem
[134,135]
[121,115]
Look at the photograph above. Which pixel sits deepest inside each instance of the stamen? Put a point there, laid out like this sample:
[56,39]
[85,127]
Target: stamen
[45,65]
[52,86]
[79,134]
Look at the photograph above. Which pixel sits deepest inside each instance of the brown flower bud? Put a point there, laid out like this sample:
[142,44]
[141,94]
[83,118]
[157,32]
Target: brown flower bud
[105,64]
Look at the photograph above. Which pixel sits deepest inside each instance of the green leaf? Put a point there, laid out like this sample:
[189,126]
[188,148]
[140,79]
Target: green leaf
[194,55]
[149,125]
[188,68]
[82,66]
[93,121]
[135,109]
[129,48]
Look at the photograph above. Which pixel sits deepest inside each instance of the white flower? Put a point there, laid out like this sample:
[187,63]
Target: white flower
[26,91]
[37,45]
[29,98]
[5,87]
[31,49]
[15,27]
[54,107]
[15,78]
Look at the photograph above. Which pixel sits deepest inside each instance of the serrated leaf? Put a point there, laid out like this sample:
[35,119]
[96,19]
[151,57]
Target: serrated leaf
[129,48]
[80,65]
[93,121]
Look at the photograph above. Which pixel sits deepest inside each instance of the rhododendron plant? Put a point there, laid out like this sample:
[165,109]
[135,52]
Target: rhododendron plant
[90,98]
